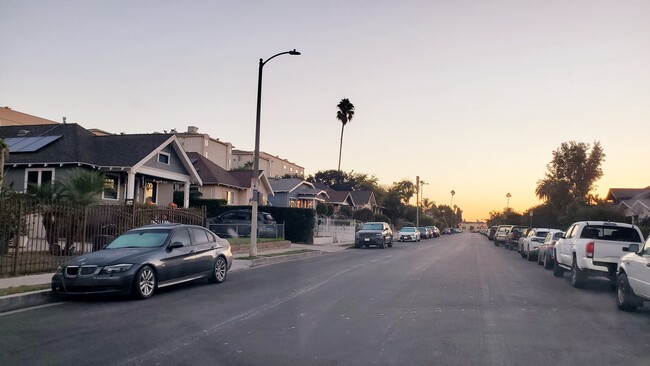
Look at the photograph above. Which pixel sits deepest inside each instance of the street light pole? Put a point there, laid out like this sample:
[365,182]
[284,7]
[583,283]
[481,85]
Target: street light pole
[256,155]
[420,191]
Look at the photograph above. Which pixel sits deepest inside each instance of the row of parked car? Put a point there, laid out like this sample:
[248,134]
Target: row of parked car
[587,249]
[380,234]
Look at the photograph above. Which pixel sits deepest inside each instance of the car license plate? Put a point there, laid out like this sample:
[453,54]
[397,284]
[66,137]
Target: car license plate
[366,239]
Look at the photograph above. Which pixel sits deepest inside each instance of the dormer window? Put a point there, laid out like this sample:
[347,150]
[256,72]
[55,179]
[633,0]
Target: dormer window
[163,158]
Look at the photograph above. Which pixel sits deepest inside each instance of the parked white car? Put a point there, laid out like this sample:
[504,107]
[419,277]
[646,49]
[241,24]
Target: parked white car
[633,277]
[529,247]
[409,233]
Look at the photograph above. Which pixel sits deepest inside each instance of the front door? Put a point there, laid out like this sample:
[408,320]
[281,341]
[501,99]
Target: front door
[177,259]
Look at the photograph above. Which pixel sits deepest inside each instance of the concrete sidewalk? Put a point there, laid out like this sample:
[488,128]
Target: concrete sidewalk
[240,262]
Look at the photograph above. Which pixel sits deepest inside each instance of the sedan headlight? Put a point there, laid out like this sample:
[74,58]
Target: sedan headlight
[118,268]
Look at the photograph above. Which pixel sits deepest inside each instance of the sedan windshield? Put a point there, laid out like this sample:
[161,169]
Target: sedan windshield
[140,239]
[408,229]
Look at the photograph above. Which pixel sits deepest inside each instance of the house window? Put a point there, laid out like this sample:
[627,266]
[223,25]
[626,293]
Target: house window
[38,177]
[163,158]
[111,186]
[230,197]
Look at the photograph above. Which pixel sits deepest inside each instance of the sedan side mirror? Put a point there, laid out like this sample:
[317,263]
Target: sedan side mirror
[633,248]
[176,245]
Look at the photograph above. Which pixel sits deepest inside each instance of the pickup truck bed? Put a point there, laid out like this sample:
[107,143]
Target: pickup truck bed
[593,248]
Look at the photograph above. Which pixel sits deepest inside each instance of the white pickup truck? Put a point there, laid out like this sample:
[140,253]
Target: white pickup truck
[593,248]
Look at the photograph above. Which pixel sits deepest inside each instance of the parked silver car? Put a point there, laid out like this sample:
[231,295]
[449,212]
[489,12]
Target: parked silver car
[141,260]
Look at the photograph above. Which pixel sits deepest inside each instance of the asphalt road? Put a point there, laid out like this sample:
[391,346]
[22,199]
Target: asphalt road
[455,300]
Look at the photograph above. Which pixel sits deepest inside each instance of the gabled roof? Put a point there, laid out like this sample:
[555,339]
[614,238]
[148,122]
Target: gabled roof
[339,197]
[211,173]
[244,178]
[312,192]
[363,197]
[76,145]
[288,184]
[618,194]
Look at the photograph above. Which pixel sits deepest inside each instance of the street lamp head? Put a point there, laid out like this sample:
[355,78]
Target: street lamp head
[294,52]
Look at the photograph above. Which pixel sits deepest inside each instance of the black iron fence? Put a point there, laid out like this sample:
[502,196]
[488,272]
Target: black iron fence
[244,230]
[36,237]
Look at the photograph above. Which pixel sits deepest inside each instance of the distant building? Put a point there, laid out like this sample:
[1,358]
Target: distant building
[275,166]
[634,201]
[219,152]
[9,117]
[472,226]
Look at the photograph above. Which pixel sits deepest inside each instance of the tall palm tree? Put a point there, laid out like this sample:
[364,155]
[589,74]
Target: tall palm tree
[344,114]
[452,197]
[4,152]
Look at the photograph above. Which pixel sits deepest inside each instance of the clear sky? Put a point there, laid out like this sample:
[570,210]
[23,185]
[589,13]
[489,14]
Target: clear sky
[469,95]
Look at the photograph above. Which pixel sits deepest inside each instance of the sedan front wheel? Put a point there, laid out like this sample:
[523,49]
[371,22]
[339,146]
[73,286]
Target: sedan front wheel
[219,271]
[145,283]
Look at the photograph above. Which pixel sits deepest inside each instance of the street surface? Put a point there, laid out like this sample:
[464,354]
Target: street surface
[454,300]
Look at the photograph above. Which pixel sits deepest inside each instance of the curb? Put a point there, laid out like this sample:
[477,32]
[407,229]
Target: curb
[283,258]
[27,299]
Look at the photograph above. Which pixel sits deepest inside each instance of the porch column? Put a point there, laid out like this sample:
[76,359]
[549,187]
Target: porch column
[130,187]
[186,195]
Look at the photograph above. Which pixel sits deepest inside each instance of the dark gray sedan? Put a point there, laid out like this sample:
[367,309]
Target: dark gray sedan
[144,259]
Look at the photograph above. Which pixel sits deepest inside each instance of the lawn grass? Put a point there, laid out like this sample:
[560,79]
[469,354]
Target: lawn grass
[296,251]
[21,289]
[240,241]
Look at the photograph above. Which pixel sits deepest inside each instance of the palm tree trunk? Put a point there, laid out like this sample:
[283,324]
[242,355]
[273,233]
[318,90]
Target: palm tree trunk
[341,146]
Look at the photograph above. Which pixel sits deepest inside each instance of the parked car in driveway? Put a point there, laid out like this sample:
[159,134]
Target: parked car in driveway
[374,233]
[409,233]
[237,223]
[633,277]
[546,251]
[144,259]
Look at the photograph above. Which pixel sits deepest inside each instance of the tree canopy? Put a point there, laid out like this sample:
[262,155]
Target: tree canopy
[572,173]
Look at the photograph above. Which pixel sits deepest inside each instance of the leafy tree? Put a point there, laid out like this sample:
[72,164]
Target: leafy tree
[82,187]
[364,215]
[321,209]
[344,114]
[404,190]
[572,172]
[345,211]
[334,179]
[247,166]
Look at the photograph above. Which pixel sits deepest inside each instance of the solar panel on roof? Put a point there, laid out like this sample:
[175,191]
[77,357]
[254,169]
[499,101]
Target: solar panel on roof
[29,144]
